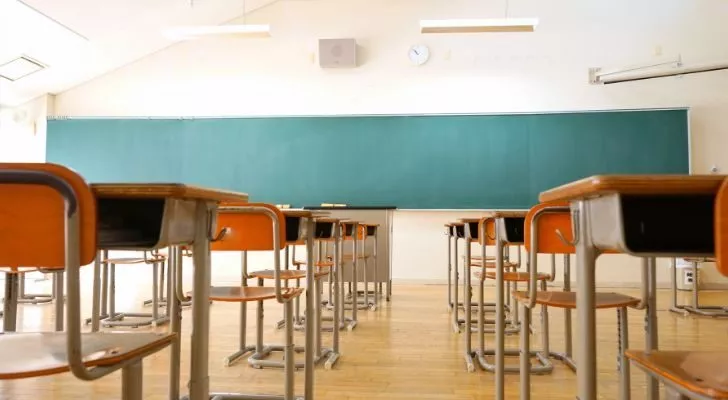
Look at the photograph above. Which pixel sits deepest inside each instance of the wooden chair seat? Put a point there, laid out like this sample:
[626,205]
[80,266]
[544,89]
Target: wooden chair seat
[287,274]
[700,372]
[491,264]
[30,355]
[240,294]
[513,276]
[134,260]
[568,299]
[318,263]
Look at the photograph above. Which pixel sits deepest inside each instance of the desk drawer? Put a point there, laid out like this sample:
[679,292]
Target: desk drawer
[324,230]
[659,226]
[295,230]
[139,224]
[513,230]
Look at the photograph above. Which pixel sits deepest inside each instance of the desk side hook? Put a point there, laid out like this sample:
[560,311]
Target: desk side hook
[574,228]
[220,236]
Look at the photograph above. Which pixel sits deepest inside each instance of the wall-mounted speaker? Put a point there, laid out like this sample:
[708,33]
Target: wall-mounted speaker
[337,53]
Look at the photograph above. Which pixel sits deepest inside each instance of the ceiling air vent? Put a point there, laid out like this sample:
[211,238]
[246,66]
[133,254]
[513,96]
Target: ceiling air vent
[20,68]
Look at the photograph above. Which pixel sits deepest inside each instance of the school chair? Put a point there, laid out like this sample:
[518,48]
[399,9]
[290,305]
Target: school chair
[502,230]
[164,288]
[39,298]
[296,223]
[356,233]
[259,227]
[467,228]
[548,230]
[695,308]
[49,221]
[135,319]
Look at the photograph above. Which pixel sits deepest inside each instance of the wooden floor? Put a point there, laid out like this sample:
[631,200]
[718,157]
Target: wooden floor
[406,350]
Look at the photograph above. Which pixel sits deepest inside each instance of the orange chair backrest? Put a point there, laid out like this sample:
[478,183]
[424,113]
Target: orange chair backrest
[249,231]
[548,222]
[32,219]
[489,231]
[721,229]
[361,228]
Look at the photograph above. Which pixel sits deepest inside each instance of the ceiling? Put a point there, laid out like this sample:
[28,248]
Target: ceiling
[81,39]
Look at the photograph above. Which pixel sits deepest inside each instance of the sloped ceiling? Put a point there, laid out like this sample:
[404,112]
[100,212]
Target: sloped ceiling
[82,39]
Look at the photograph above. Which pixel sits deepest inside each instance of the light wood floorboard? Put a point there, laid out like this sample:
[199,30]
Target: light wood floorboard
[406,350]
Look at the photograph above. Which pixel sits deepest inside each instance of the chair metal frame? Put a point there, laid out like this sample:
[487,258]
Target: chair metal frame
[695,308]
[499,351]
[530,302]
[289,367]
[138,319]
[74,258]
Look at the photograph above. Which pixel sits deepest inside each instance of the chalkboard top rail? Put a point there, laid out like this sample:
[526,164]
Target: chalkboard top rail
[350,207]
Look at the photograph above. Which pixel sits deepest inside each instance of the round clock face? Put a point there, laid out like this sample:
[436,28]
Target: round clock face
[419,54]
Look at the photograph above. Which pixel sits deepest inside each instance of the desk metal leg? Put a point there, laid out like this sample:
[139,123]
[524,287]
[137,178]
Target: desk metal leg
[310,315]
[456,297]
[586,254]
[467,297]
[175,315]
[338,319]
[10,305]
[199,369]
[499,314]
[450,304]
[651,342]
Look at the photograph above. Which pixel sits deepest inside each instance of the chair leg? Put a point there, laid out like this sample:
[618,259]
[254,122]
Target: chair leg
[525,354]
[288,355]
[131,381]
[624,376]
[58,289]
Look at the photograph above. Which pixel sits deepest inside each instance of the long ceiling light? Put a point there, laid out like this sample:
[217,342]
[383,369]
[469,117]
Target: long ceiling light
[198,32]
[233,30]
[478,25]
[483,25]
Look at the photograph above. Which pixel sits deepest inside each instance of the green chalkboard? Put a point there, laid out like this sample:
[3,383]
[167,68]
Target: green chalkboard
[418,162]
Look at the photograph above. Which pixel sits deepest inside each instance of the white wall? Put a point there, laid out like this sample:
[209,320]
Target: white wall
[543,71]
[23,131]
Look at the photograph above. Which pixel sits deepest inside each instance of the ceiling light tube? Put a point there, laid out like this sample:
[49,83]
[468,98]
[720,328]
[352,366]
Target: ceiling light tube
[599,78]
[478,25]
[196,32]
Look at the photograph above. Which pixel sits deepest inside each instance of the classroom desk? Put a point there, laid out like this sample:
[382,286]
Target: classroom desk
[373,215]
[628,213]
[149,216]
[308,226]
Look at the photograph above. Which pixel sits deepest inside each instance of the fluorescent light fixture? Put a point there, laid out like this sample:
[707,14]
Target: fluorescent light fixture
[20,68]
[478,25]
[198,32]
[596,76]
